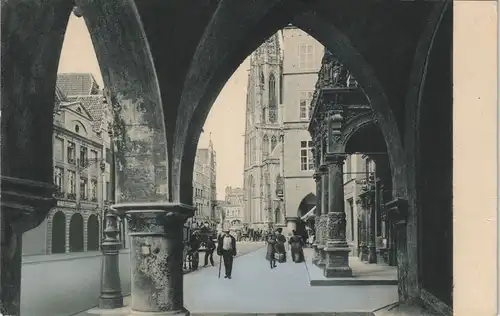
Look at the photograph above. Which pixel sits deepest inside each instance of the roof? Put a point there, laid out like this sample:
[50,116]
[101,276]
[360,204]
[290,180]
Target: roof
[95,106]
[72,84]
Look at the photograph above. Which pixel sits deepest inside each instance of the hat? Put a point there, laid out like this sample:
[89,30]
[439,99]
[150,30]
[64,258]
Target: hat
[225,230]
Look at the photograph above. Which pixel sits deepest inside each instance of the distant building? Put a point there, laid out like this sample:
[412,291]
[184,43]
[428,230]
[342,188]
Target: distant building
[235,196]
[204,185]
[231,215]
[278,183]
[81,157]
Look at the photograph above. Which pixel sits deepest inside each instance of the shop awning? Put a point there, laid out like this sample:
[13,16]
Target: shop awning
[309,214]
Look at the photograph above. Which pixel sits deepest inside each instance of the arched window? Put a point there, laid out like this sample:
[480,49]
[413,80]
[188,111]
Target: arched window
[254,153]
[76,233]
[273,143]
[58,233]
[265,147]
[272,99]
[261,76]
[92,233]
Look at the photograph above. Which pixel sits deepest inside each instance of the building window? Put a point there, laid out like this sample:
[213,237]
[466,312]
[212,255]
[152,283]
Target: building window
[59,181]
[84,156]
[306,156]
[304,104]
[265,146]
[263,115]
[93,190]
[71,153]
[58,149]
[108,190]
[272,99]
[71,185]
[306,55]
[77,128]
[83,188]
[252,149]
[348,168]
[93,155]
[273,143]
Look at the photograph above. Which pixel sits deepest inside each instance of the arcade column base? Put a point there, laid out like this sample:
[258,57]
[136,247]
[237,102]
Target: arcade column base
[337,261]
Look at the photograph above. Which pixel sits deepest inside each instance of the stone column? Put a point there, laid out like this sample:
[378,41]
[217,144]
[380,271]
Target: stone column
[324,210]
[24,206]
[372,247]
[336,249]
[397,211]
[317,253]
[156,256]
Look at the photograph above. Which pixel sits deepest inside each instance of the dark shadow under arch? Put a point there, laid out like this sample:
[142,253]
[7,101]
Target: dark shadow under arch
[93,233]
[76,233]
[58,233]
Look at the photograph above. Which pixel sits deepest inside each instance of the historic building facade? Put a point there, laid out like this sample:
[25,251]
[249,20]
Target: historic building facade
[278,158]
[204,185]
[81,162]
[263,133]
[164,85]
[234,196]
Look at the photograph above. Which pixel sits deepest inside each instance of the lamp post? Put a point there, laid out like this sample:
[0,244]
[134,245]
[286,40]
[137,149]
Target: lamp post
[111,294]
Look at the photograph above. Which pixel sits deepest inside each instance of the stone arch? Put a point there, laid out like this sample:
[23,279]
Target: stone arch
[58,236]
[265,146]
[272,99]
[76,233]
[337,43]
[430,140]
[131,79]
[355,124]
[341,47]
[306,204]
[93,233]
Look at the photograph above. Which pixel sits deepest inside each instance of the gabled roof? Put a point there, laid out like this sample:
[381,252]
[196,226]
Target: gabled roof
[95,106]
[72,84]
[75,105]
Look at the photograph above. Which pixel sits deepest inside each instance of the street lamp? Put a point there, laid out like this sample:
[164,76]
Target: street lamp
[111,294]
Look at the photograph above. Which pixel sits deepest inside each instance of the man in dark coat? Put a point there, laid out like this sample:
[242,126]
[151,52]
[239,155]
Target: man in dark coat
[209,253]
[226,247]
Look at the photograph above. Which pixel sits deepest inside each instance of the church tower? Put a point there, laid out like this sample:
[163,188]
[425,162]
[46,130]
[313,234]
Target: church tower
[263,124]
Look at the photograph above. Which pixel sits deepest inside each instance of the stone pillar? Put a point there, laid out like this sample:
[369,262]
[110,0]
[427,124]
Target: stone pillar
[372,220]
[24,206]
[317,252]
[336,249]
[397,211]
[156,250]
[324,210]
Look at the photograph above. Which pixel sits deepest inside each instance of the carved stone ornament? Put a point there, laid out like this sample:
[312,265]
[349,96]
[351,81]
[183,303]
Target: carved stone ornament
[279,185]
[26,203]
[336,225]
[336,159]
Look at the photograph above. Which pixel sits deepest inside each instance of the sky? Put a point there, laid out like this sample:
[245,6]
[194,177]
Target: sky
[225,124]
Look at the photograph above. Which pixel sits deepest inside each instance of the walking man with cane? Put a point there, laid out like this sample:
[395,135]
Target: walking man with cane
[226,247]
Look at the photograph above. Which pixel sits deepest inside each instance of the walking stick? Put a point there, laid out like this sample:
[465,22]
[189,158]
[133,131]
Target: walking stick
[220,265]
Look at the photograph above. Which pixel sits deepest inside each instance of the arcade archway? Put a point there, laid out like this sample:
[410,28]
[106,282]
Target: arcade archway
[58,233]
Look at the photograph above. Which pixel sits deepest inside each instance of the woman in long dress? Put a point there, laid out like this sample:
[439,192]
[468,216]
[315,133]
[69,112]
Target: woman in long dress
[296,245]
[271,251]
[280,245]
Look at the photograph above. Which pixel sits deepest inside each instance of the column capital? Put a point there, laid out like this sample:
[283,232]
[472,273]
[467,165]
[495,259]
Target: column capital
[317,176]
[397,209]
[150,218]
[26,203]
[335,159]
[323,169]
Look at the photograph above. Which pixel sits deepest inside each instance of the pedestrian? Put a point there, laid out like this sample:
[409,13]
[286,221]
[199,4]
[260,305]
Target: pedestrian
[226,247]
[209,253]
[271,250]
[296,247]
[280,245]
